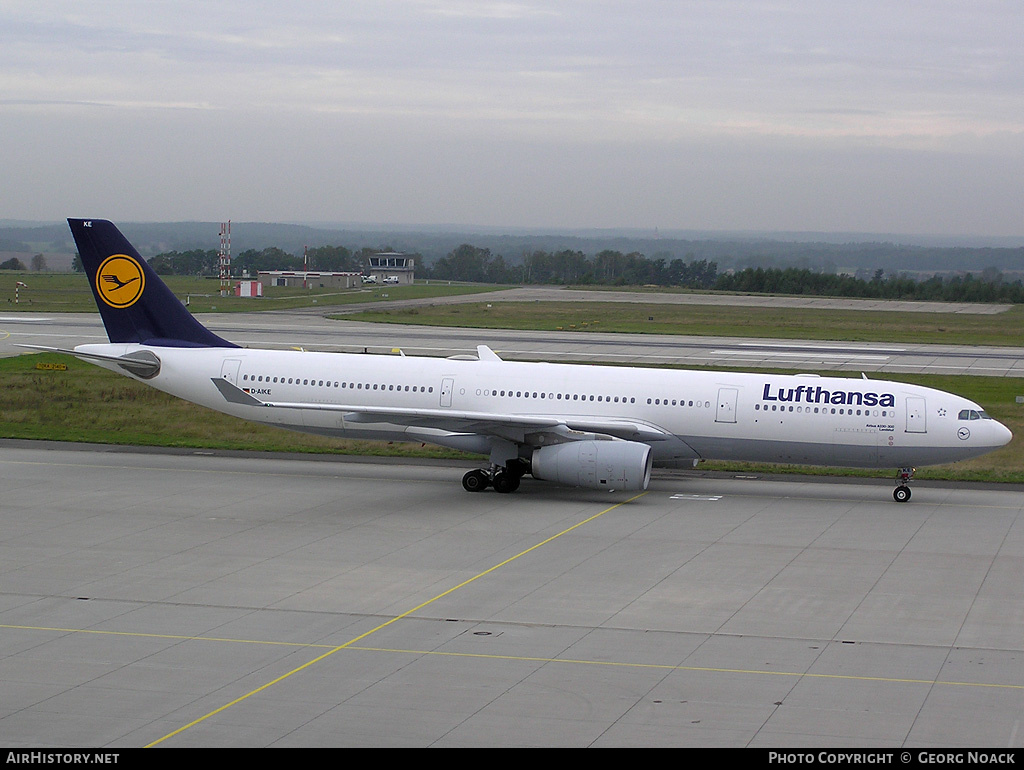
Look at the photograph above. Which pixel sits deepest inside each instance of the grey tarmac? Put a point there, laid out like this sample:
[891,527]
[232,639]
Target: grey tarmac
[190,598]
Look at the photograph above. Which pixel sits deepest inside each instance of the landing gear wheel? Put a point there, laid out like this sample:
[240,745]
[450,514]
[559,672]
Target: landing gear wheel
[902,492]
[475,481]
[504,482]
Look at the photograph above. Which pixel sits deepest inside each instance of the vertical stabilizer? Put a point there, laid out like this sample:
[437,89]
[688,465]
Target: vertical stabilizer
[135,305]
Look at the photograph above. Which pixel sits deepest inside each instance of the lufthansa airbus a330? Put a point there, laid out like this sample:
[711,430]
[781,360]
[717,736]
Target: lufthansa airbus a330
[598,427]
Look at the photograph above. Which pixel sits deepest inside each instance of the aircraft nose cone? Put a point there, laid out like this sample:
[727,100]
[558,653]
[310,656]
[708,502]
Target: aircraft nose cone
[1003,435]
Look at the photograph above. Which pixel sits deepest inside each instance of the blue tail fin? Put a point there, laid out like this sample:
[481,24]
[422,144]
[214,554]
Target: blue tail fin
[136,306]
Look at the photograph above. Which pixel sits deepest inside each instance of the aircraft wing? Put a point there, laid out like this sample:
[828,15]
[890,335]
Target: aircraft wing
[520,428]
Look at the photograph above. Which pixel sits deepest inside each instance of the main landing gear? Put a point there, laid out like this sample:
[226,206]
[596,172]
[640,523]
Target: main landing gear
[902,492]
[503,479]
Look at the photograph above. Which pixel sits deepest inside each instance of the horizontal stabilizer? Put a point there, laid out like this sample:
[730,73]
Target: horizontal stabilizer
[141,363]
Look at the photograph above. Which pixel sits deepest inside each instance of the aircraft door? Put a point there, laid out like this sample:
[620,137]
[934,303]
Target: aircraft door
[916,415]
[447,385]
[229,370]
[726,405]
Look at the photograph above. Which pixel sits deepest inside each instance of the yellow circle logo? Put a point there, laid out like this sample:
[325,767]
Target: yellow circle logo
[120,281]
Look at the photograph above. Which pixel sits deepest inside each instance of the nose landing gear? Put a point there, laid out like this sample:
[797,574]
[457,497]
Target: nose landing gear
[902,492]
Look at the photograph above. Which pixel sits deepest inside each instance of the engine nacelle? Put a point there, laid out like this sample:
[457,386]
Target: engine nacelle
[594,464]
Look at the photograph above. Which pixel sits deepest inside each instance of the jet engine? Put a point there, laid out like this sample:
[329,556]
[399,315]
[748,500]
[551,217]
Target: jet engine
[622,465]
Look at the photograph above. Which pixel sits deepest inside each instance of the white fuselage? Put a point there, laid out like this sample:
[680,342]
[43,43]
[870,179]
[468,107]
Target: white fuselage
[801,419]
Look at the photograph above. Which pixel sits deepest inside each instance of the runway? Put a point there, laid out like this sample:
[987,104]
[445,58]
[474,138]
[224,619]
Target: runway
[313,332]
[189,598]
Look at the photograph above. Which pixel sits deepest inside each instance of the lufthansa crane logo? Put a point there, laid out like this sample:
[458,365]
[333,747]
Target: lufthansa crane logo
[120,281]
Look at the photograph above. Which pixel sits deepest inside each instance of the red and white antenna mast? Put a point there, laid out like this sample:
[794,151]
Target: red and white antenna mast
[224,258]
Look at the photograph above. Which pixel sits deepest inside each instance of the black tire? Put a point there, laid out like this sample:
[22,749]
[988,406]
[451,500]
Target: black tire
[505,482]
[901,494]
[475,481]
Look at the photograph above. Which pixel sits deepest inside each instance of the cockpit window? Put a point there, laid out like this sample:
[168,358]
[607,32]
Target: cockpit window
[972,414]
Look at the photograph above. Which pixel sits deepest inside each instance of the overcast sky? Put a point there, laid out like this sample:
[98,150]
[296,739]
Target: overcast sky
[846,115]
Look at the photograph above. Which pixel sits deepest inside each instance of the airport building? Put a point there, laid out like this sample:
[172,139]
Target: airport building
[248,289]
[389,265]
[310,280]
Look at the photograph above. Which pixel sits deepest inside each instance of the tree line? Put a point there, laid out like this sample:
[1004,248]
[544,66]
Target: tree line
[38,264]
[614,268]
[465,263]
[469,263]
[608,267]
[206,262]
[989,286]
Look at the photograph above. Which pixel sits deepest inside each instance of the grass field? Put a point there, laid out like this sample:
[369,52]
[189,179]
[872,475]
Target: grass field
[1002,329]
[69,293]
[86,403]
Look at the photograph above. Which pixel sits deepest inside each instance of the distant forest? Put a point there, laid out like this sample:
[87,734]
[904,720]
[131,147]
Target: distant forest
[820,252]
[469,263]
[929,268]
[989,286]
[613,268]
